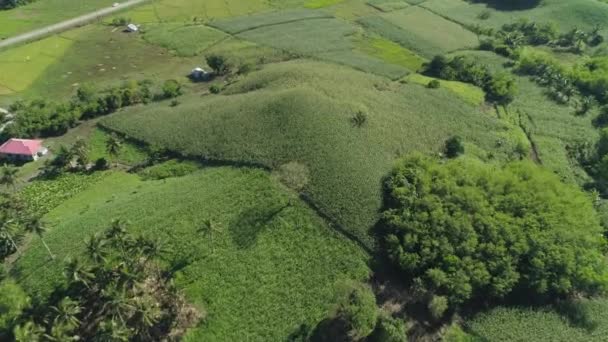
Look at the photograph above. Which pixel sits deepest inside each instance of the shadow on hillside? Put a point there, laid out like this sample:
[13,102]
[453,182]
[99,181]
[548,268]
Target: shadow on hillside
[251,222]
[513,5]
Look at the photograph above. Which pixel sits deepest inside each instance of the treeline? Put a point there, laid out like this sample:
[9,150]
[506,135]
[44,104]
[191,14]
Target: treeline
[8,4]
[500,88]
[42,118]
[117,292]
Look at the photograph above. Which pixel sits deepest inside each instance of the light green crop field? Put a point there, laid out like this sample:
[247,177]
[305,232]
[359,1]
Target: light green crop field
[581,321]
[42,13]
[388,5]
[321,3]
[23,65]
[306,108]
[311,34]
[390,52]
[567,14]
[430,34]
[470,93]
[271,266]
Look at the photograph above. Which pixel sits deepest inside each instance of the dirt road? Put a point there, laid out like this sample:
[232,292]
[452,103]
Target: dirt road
[67,24]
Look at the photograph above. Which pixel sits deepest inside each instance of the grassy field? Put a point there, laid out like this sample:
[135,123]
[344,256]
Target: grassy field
[20,67]
[567,14]
[42,13]
[390,52]
[271,266]
[301,106]
[388,5]
[183,40]
[581,321]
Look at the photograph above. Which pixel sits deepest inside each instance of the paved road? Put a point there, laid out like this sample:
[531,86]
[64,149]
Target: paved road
[67,24]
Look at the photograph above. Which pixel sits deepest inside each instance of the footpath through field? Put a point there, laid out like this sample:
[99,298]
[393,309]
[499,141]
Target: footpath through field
[67,24]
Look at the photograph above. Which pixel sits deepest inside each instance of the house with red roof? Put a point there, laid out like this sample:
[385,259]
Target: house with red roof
[22,150]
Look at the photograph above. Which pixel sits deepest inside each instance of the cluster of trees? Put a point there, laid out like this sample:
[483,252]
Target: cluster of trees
[462,231]
[511,37]
[117,293]
[354,317]
[16,219]
[584,83]
[41,118]
[8,4]
[500,88]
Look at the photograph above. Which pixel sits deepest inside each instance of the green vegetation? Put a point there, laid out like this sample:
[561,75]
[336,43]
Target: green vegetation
[300,105]
[184,40]
[265,255]
[391,52]
[468,92]
[500,230]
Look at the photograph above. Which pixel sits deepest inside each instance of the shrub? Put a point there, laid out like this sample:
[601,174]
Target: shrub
[389,329]
[484,15]
[357,308]
[215,89]
[120,21]
[13,302]
[171,89]
[102,164]
[220,64]
[454,147]
[169,169]
[359,119]
[295,175]
[433,84]
[174,103]
[466,230]
[438,306]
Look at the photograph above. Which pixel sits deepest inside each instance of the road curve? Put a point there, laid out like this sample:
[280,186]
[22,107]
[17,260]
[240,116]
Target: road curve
[67,24]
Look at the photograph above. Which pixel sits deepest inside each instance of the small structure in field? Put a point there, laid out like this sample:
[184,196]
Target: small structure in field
[22,150]
[132,28]
[199,74]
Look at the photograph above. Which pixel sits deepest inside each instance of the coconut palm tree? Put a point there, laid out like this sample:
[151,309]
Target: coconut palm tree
[113,146]
[76,271]
[66,312]
[112,330]
[95,248]
[8,226]
[8,176]
[28,332]
[35,226]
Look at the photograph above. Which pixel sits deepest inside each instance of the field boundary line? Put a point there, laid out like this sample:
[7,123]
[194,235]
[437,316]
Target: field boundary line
[326,16]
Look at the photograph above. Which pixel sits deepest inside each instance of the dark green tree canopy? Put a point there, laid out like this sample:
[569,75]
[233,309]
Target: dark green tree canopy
[468,230]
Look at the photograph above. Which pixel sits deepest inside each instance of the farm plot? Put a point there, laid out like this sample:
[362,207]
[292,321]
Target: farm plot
[567,14]
[21,66]
[390,52]
[470,93]
[307,109]
[428,33]
[246,23]
[320,37]
[270,266]
[388,5]
[183,40]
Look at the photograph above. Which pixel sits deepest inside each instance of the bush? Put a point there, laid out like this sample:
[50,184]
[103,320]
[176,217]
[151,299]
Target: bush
[359,119]
[357,308]
[438,306]
[454,147]
[214,89]
[220,64]
[171,89]
[433,84]
[169,169]
[13,301]
[102,164]
[484,15]
[120,21]
[467,230]
[389,329]
[295,175]
[174,103]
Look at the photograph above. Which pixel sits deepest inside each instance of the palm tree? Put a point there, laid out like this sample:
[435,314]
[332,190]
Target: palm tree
[7,229]
[208,228]
[8,176]
[112,330]
[35,226]
[66,312]
[81,151]
[78,272]
[95,248]
[113,145]
[28,332]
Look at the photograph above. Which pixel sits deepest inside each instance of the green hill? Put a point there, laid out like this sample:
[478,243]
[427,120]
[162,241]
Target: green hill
[302,111]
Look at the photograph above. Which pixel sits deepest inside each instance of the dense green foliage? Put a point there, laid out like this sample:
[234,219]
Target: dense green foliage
[472,231]
[117,293]
[500,88]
